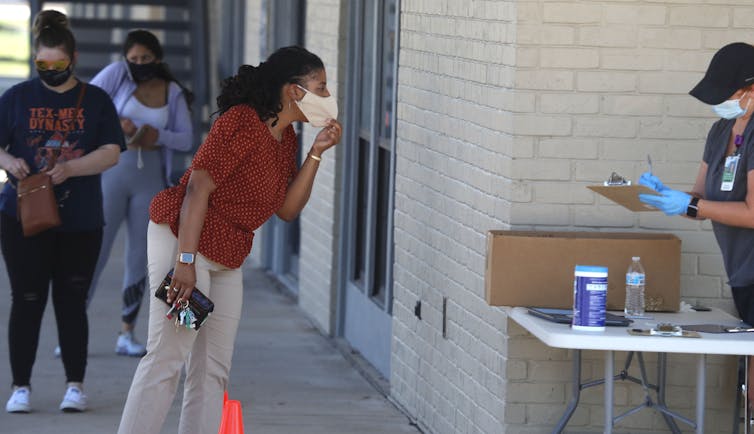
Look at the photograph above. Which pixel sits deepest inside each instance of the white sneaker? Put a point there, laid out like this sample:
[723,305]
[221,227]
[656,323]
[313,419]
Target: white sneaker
[19,401]
[127,346]
[74,400]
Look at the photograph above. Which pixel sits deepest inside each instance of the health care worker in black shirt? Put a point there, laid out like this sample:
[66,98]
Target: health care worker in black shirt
[724,187]
[39,117]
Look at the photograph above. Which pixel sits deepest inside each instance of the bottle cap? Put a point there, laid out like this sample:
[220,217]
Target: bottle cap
[635,258]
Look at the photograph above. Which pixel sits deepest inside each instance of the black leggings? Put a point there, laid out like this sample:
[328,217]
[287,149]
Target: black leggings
[67,259]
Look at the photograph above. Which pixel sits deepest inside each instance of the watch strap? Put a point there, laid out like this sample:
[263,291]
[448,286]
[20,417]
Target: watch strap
[693,209]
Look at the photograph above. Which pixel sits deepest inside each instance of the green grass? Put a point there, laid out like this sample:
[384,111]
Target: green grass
[14,44]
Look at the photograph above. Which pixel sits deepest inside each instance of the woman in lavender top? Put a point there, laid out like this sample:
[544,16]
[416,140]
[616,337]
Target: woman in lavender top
[154,113]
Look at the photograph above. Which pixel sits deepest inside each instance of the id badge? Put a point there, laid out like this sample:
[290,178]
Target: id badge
[729,172]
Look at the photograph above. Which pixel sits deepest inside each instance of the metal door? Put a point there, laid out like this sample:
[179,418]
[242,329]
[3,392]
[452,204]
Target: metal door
[366,253]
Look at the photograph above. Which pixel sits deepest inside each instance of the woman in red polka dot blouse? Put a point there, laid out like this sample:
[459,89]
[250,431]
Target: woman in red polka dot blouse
[244,172]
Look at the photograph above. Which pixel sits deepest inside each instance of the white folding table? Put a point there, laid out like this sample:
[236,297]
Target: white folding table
[618,339]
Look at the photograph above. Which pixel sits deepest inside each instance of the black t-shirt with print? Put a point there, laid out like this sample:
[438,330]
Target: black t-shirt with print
[34,121]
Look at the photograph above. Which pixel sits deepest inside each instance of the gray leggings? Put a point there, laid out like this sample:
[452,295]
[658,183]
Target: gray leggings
[127,192]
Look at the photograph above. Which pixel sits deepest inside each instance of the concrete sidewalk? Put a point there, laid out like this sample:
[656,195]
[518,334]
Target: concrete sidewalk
[289,378]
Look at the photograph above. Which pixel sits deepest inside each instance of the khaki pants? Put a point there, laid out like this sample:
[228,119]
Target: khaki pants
[206,353]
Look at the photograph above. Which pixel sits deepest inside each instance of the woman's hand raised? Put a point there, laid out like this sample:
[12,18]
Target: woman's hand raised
[327,137]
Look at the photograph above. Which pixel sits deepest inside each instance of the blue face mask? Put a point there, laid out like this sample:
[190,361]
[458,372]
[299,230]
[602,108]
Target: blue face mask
[730,109]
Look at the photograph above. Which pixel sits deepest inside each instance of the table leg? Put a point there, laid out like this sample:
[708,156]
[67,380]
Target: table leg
[747,416]
[609,370]
[575,393]
[700,387]
[662,361]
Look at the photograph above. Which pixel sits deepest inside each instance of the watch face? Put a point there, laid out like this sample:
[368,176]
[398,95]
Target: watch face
[186,258]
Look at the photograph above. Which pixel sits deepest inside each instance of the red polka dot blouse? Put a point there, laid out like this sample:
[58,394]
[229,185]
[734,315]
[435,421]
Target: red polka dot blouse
[251,170]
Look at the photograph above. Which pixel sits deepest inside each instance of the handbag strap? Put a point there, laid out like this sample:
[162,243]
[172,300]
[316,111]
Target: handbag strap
[54,156]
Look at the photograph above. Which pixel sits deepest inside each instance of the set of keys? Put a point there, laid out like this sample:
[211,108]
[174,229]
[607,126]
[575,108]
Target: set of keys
[184,317]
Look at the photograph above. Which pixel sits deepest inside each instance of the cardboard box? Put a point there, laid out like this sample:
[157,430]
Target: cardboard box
[530,268]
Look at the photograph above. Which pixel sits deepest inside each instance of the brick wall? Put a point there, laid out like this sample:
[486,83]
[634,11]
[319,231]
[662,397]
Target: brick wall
[456,115]
[506,111]
[319,228]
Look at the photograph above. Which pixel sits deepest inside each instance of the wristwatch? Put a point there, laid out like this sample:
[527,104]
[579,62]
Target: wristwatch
[186,258]
[693,207]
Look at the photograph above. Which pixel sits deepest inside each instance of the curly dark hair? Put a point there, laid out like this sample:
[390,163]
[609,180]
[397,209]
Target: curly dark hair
[259,86]
[51,29]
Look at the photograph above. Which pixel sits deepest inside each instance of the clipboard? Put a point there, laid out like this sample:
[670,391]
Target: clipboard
[626,195]
[565,316]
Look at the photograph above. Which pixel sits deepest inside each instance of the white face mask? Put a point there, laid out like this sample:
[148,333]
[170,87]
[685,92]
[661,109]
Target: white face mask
[731,109]
[318,109]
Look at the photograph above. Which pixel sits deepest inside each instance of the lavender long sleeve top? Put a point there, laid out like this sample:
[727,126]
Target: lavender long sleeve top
[116,80]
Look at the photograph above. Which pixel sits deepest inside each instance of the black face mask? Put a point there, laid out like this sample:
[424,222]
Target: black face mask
[144,71]
[54,78]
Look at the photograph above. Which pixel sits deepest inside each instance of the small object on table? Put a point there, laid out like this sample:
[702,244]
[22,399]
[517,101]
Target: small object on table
[666,329]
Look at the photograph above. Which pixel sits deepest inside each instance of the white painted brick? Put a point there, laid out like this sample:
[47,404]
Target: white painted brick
[688,106]
[712,40]
[632,59]
[605,127]
[613,36]
[606,214]
[571,12]
[541,214]
[711,265]
[539,125]
[637,14]
[688,39]
[562,193]
[595,81]
[573,103]
[673,128]
[599,170]
[576,148]
[632,105]
[743,17]
[529,12]
[463,69]
[677,82]
[486,103]
[543,170]
[527,57]
[544,80]
[570,58]
[536,34]
[699,16]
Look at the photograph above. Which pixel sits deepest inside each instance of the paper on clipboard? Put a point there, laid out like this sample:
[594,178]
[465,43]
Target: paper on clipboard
[626,195]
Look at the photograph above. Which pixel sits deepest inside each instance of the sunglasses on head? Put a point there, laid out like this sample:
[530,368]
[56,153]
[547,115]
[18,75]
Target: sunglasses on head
[57,65]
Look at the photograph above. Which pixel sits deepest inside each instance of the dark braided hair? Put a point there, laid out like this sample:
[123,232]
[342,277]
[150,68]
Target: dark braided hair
[149,40]
[51,30]
[259,86]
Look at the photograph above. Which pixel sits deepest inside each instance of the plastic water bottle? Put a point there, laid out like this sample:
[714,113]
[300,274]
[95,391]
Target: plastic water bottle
[635,288]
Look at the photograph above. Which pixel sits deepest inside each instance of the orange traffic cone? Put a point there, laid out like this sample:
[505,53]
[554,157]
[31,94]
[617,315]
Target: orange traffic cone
[232,419]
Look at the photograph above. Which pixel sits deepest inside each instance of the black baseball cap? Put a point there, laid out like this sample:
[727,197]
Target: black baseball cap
[731,68]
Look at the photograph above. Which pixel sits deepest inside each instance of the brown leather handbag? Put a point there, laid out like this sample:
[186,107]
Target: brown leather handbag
[36,203]
[37,206]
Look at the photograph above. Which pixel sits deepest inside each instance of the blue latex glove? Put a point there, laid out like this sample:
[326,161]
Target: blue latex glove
[671,202]
[653,182]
